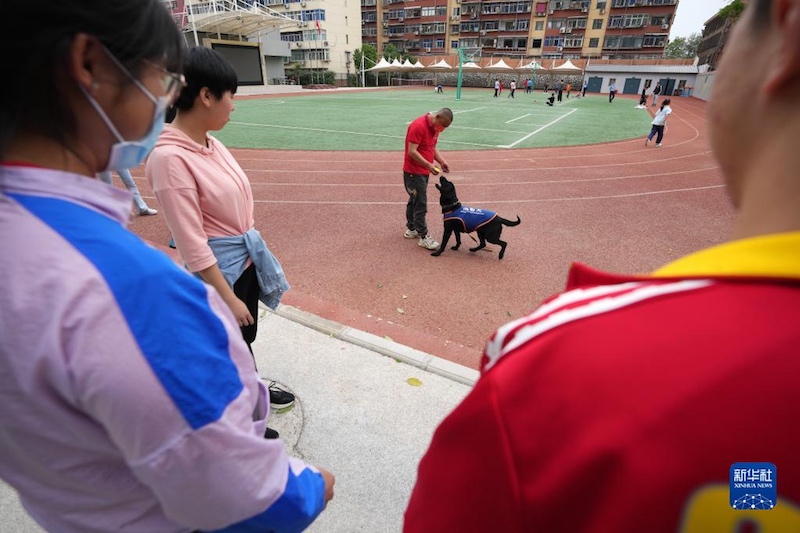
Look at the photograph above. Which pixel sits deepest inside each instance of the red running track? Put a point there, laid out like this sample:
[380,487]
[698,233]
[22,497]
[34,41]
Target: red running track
[336,222]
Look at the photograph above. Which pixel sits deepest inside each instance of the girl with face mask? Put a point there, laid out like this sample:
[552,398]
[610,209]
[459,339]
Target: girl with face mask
[126,382]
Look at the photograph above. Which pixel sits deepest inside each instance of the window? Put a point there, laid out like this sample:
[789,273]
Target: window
[594,42]
[537,43]
[597,24]
[576,23]
[539,26]
[657,41]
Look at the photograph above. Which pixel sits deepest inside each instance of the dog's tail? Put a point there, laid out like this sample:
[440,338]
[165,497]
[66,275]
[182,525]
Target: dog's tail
[509,222]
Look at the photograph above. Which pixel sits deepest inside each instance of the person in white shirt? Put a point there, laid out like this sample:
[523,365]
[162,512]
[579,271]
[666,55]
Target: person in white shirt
[659,124]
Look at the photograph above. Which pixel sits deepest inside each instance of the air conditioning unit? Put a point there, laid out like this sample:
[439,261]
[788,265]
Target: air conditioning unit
[299,44]
[455,17]
[416,33]
[603,11]
[560,48]
[303,4]
[305,24]
[550,12]
[363,22]
[324,43]
[401,19]
[563,30]
[326,60]
[483,32]
[585,10]
[665,26]
[426,49]
[385,24]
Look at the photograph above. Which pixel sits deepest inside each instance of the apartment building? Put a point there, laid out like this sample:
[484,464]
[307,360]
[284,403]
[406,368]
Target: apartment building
[715,33]
[312,33]
[554,29]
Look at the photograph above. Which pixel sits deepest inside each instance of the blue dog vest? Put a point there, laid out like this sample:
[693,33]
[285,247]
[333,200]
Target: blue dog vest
[471,218]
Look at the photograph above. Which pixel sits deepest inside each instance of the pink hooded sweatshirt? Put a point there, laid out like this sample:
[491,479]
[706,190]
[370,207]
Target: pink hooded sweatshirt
[203,191]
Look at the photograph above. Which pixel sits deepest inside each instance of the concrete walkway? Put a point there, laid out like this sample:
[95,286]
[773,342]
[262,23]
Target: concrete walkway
[356,414]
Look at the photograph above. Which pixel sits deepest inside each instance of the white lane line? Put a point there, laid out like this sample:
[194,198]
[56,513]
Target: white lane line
[493,202]
[515,119]
[528,136]
[472,183]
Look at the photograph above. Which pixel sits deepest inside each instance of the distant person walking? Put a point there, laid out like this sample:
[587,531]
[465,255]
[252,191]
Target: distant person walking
[569,89]
[496,87]
[421,155]
[529,85]
[659,124]
[642,100]
[560,89]
[127,180]
[612,91]
[513,88]
[585,85]
[656,92]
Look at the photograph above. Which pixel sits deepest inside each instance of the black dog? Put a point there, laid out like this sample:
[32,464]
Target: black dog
[459,219]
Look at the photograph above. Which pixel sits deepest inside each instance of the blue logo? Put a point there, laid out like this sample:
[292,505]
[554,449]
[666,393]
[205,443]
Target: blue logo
[753,486]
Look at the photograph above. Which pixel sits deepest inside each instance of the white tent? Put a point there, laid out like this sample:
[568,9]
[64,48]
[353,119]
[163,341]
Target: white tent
[396,65]
[408,65]
[533,65]
[470,65]
[419,64]
[441,65]
[568,67]
[381,66]
[500,66]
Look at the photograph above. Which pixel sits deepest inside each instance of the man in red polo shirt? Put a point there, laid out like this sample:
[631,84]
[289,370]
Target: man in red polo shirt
[657,403]
[421,156]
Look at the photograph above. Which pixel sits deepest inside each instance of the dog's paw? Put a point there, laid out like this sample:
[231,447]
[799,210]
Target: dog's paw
[454,247]
[436,254]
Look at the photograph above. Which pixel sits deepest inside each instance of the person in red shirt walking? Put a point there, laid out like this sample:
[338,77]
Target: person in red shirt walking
[635,403]
[421,156]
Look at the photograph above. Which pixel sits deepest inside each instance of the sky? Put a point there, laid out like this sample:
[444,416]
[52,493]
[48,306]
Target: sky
[692,14]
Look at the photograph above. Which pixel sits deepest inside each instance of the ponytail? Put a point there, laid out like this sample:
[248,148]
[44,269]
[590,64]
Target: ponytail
[665,104]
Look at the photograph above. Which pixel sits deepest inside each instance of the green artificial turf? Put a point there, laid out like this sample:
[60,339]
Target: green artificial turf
[377,120]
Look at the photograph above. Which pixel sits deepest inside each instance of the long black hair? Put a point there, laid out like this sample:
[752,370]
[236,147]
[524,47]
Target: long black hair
[33,68]
[666,102]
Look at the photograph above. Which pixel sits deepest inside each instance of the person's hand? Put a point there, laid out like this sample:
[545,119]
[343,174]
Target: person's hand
[435,170]
[445,167]
[330,480]
[241,313]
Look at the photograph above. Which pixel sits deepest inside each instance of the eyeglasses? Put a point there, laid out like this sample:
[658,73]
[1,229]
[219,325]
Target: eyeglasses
[172,81]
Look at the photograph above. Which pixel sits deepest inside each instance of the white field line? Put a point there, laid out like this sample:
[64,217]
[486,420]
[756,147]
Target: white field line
[515,119]
[468,110]
[365,134]
[528,136]
[458,112]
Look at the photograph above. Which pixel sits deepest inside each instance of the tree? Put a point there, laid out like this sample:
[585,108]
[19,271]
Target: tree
[732,11]
[390,52]
[683,47]
[370,54]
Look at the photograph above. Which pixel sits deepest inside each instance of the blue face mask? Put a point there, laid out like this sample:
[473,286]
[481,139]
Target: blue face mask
[130,154]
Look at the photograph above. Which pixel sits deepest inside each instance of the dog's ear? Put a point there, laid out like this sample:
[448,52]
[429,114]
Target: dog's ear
[438,186]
